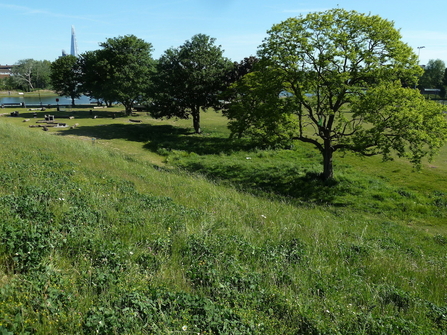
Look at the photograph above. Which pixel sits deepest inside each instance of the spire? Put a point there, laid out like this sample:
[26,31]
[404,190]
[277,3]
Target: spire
[74,44]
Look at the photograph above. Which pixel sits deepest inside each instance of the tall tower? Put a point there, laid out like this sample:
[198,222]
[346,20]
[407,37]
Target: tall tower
[74,44]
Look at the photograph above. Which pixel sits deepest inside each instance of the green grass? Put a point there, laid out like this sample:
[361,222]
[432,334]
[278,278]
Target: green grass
[36,93]
[151,228]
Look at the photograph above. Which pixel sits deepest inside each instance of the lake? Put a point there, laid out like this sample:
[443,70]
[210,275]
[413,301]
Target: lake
[35,100]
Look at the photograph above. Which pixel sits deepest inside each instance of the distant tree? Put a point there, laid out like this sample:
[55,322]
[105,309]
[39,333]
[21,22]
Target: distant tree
[444,78]
[189,78]
[41,77]
[29,74]
[433,74]
[336,82]
[235,73]
[121,71]
[65,77]
[242,68]
[7,83]
[444,85]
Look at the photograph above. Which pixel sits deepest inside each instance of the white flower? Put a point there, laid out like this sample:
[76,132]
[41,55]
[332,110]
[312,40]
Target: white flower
[131,253]
[263,216]
[184,328]
[247,157]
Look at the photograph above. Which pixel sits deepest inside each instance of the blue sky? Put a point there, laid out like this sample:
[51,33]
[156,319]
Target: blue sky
[41,29]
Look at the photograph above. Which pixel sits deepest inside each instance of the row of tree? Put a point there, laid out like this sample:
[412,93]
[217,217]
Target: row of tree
[338,79]
[180,83]
[435,76]
[27,75]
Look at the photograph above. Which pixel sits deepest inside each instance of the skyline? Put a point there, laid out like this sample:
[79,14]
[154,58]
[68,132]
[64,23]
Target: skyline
[74,44]
[41,31]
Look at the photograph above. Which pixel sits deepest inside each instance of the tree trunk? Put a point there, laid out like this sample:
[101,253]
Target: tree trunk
[328,172]
[196,120]
[128,110]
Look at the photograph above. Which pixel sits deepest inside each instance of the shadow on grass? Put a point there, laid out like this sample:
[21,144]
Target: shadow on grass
[63,114]
[289,180]
[281,180]
[161,138]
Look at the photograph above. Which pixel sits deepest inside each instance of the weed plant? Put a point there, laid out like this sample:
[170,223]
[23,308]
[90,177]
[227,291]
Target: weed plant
[97,241]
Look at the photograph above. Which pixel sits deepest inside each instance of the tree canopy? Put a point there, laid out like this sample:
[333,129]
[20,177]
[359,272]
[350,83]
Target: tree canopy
[65,77]
[94,76]
[337,80]
[29,74]
[433,74]
[121,71]
[189,78]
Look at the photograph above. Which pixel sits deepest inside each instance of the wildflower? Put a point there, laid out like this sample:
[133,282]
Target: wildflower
[247,157]
[131,253]
[184,328]
[263,216]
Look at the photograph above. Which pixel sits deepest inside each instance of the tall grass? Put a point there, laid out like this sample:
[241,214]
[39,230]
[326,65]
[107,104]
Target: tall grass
[95,240]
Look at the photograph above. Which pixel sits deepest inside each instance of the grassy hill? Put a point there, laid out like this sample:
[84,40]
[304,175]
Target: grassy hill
[116,227]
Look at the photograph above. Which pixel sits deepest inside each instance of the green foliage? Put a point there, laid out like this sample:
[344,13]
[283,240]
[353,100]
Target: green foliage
[402,121]
[30,74]
[189,78]
[159,310]
[121,71]
[327,64]
[433,74]
[257,112]
[26,244]
[65,77]
[94,76]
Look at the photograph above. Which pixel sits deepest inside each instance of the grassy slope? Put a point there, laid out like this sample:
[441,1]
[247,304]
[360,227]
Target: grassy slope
[100,240]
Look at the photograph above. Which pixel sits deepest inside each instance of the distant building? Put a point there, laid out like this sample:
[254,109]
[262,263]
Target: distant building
[5,71]
[74,43]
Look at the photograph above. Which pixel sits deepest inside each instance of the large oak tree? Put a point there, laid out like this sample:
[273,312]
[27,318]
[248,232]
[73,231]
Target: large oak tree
[65,77]
[336,80]
[189,78]
[120,71]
